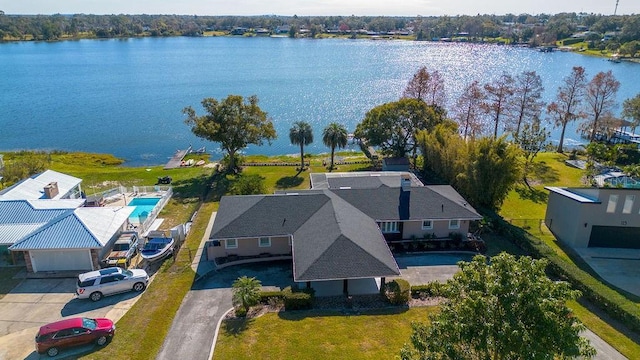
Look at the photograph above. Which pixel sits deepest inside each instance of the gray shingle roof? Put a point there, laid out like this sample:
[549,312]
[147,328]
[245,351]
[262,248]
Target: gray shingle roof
[263,215]
[385,203]
[340,242]
[331,238]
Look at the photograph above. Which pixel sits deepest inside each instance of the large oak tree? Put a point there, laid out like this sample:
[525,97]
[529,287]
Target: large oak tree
[233,122]
[393,126]
[503,309]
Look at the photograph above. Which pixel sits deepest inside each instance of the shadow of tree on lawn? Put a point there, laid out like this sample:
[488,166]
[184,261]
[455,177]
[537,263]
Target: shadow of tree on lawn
[533,194]
[236,326]
[289,181]
[543,173]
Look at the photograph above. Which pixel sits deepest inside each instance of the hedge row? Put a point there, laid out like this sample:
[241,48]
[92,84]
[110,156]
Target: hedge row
[567,42]
[433,288]
[607,299]
[398,291]
[293,300]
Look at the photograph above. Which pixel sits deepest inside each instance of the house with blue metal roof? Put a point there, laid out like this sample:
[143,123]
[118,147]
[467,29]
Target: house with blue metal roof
[58,235]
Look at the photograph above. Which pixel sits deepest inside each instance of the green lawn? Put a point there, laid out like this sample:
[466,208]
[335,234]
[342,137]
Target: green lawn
[319,335]
[549,170]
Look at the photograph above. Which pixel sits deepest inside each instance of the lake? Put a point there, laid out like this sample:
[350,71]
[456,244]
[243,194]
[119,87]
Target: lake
[125,96]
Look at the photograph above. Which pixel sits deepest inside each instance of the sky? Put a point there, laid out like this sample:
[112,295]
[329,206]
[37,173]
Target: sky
[318,7]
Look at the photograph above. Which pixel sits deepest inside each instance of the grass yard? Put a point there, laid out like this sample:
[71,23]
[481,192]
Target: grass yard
[549,170]
[319,335]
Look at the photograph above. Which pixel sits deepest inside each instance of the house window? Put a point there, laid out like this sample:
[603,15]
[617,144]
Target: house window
[264,242]
[231,244]
[427,224]
[454,224]
[613,201]
[628,204]
[289,240]
[389,227]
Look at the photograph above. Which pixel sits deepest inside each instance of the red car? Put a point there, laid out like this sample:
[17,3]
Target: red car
[72,332]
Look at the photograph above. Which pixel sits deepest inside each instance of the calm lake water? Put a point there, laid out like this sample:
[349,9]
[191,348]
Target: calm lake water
[126,96]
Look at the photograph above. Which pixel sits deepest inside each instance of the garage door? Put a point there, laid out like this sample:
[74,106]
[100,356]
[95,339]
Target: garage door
[60,260]
[615,237]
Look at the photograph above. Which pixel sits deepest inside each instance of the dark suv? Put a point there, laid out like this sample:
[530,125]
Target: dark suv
[73,332]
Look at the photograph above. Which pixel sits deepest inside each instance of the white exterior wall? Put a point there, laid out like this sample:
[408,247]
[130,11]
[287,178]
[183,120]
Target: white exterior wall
[571,221]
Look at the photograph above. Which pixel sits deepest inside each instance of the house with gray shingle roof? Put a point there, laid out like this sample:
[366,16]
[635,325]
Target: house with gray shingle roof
[338,232]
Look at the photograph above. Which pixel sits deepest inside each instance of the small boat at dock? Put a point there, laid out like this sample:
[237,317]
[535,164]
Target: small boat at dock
[157,249]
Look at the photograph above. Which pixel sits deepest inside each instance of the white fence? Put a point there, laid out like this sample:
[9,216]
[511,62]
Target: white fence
[120,192]
[154,213]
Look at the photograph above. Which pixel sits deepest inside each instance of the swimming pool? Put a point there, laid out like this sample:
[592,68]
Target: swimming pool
[144,207]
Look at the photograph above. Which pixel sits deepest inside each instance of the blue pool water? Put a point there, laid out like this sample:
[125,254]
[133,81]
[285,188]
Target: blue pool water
[143,205]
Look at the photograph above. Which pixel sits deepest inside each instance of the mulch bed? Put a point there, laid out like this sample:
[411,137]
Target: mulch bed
[355,304]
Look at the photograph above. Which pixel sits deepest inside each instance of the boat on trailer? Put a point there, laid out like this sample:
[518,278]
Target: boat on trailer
[157,248]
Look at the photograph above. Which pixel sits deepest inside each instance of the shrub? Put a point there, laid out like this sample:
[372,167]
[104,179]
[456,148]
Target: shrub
[241,312]
[267,296]
[298,300]
[398,291]
[433,288]
[248,185]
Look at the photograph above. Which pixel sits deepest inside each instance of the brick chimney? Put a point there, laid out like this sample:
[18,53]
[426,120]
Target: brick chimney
[51,190]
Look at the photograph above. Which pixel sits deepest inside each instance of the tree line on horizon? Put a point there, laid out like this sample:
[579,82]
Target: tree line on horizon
[524,28]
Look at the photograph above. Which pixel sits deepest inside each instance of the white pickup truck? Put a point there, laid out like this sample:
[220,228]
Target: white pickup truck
[124,249]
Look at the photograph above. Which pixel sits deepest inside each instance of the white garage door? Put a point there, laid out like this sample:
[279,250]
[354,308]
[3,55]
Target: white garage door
[60,260]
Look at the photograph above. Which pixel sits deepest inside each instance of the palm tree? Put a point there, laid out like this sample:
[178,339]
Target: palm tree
[246,292]
[301,134]
[334,135]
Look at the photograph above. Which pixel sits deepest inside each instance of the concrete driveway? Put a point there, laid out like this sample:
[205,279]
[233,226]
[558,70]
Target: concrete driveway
[619,267]
[194,326]
[35,302]
[420,269]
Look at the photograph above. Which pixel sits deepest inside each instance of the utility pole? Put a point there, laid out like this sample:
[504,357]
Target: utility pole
[616,10]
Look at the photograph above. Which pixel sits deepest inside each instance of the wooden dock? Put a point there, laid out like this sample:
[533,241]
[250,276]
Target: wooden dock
[176,159]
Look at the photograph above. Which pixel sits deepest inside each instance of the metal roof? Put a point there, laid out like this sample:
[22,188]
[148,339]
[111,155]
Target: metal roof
[10,233]
[33,187]
[83,228]
[23,212]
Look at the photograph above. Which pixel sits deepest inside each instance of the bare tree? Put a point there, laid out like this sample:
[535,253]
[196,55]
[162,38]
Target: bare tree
[601,97]
[566,107]
[429,87]
[498,96]
[468,111]
[526,102]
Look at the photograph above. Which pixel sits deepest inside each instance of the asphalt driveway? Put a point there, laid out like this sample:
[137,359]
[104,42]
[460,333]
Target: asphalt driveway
[194,326]
[35,302]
